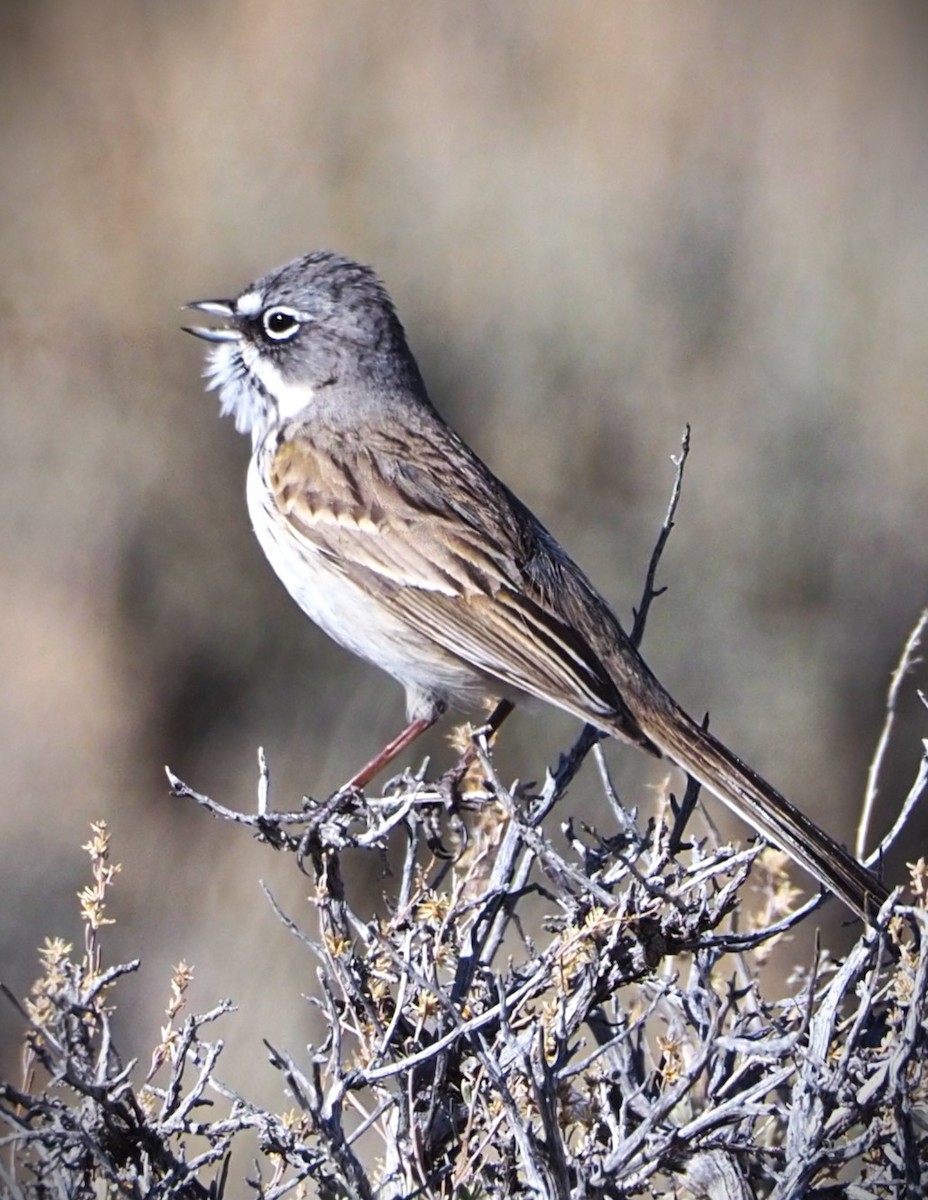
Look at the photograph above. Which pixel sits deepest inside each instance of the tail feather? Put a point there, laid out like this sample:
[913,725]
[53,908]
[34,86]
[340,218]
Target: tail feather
[733,782]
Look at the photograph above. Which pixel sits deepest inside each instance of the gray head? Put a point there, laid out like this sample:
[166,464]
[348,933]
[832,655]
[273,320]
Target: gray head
[320,321]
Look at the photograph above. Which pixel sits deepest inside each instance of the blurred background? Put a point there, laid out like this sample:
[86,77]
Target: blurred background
[599,222]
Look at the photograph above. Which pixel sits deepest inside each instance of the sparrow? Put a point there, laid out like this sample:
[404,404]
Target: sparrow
[402,545]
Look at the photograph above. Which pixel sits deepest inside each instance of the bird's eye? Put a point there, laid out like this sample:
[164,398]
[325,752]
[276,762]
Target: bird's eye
[280,323]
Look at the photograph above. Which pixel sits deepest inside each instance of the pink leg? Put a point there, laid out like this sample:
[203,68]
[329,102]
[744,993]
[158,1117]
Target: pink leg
[392,749]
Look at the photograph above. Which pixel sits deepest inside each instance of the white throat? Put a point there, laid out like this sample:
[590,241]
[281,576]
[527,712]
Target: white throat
[252,389]
[290,398]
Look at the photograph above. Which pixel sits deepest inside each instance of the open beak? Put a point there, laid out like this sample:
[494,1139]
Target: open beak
[215,308]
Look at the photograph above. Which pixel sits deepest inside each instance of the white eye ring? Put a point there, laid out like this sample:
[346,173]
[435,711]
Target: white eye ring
[281,323]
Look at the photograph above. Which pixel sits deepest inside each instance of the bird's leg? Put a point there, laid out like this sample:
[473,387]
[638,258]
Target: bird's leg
[452,778]
[414,730]
[491,724]
[392,749]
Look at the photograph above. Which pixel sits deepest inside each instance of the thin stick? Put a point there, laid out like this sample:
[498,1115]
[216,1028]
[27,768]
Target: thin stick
[650,591]
[906,662]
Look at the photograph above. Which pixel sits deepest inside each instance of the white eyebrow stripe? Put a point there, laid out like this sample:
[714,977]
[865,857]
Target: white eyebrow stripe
[249,304]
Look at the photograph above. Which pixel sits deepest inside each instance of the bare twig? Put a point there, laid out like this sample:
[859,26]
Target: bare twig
[650,593]
[906,661]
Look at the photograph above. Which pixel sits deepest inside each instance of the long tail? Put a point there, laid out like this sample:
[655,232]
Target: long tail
[744,791]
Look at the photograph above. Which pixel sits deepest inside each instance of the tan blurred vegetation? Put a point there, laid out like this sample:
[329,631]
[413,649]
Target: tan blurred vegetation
[599,222]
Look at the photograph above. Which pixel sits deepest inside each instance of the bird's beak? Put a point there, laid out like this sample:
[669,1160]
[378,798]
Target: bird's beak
[215,308]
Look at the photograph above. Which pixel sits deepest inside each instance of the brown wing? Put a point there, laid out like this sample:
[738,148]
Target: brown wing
[428,529]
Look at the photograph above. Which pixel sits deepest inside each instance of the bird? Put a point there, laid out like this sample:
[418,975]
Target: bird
[392,535]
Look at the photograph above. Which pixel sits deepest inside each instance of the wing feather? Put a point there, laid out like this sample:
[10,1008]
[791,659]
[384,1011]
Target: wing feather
[449,550]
